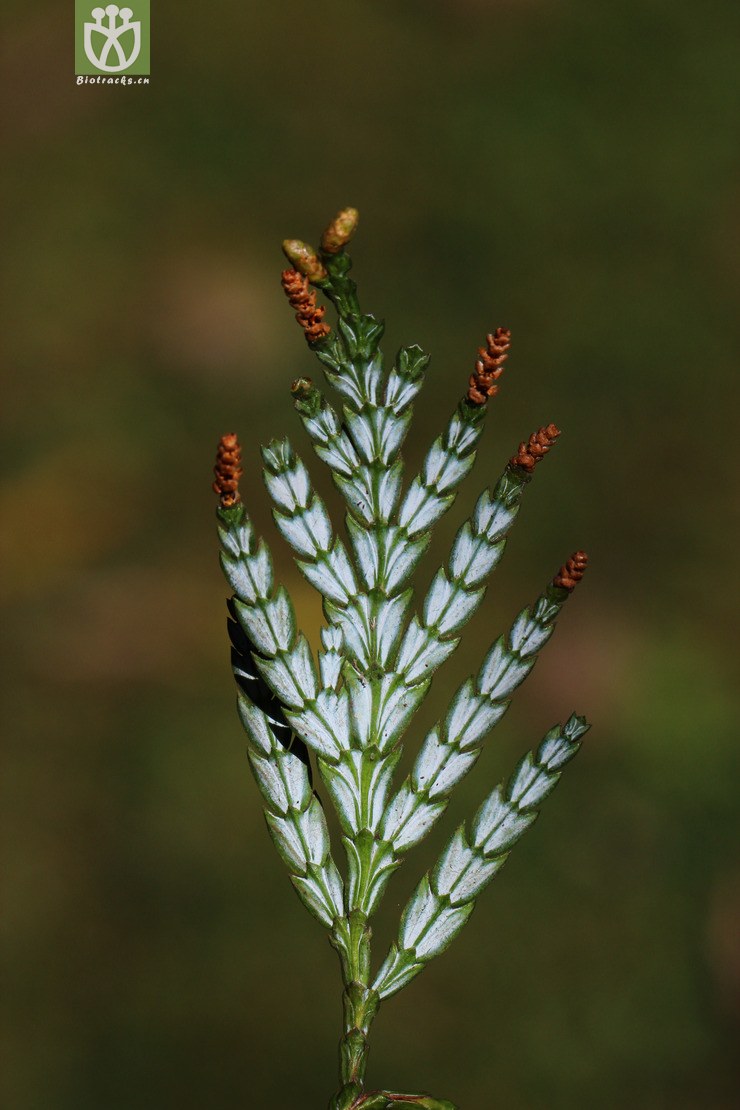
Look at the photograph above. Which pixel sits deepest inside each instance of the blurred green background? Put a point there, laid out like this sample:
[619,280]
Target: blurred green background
[566,168]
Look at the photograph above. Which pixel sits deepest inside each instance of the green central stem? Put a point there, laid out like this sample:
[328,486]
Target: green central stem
[359,1000]
[351,935]
[351,938]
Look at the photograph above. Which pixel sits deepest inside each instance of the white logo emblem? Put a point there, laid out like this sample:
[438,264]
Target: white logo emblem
[107,38]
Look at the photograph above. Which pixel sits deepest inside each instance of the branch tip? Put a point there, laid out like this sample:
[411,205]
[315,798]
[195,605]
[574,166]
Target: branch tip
[489,367]
[308,314]
[340,230]
[572,571]
[535,448]
[228,470]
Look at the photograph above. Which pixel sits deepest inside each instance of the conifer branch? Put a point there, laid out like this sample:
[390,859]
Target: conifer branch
[376,659]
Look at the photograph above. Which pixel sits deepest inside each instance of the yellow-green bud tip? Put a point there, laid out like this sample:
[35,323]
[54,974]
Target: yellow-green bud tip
[340,230]
[301,387]
[304,259]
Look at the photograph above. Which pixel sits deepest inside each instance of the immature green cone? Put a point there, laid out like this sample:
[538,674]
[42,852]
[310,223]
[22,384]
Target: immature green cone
[340,230]
[304,259]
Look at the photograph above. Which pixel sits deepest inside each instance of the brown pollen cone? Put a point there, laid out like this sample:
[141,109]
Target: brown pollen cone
[303,299]
[489,367]
[227,470]
[572,571]
[535,448]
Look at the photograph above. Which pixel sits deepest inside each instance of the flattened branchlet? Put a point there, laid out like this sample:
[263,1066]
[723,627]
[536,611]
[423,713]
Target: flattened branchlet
[344,714]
